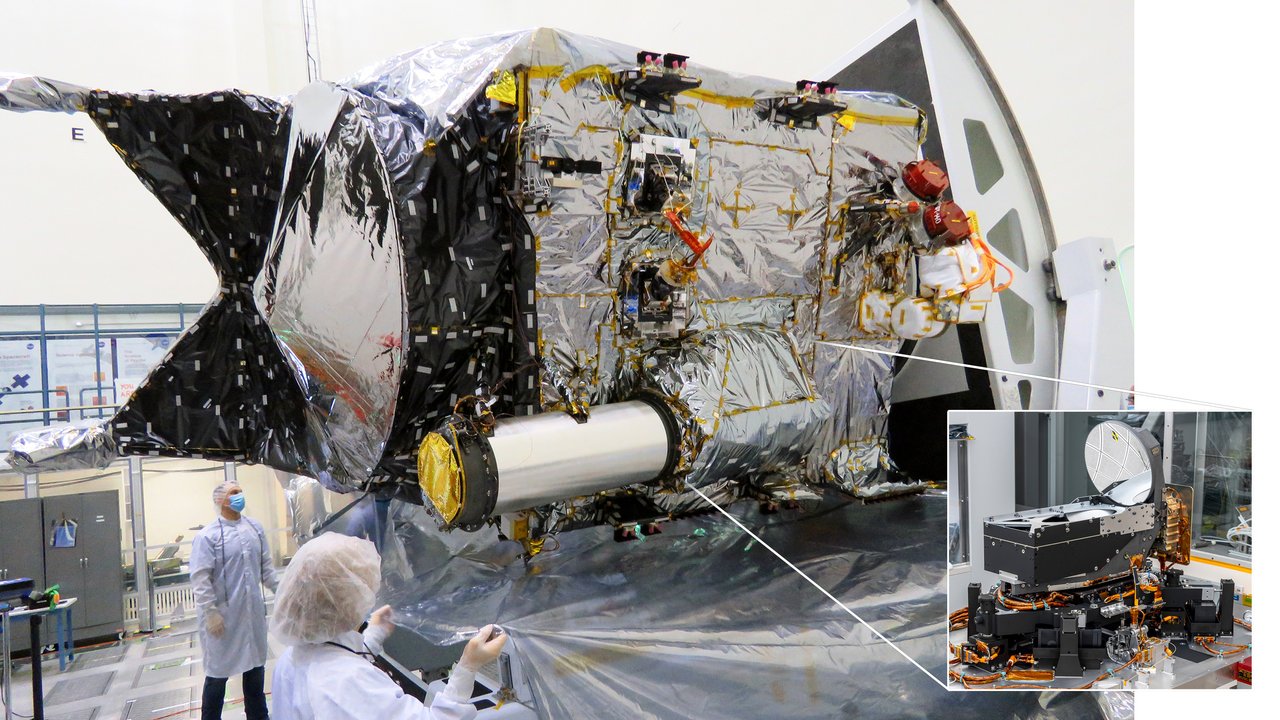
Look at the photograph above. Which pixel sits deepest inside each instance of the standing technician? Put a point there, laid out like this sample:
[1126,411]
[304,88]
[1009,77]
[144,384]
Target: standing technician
[230,563]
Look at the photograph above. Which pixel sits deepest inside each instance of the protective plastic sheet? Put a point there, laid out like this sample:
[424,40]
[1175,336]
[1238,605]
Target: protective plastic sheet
[701,621]
[314,510]
[305,502]
[85,444]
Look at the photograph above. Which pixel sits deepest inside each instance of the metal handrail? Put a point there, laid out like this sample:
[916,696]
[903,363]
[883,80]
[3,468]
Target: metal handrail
[58,409]
[42,392]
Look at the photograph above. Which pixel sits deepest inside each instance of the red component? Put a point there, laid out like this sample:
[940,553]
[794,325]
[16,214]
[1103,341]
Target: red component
[1244,671]
[925,179]
[946,222]
[913,207]
[689,237]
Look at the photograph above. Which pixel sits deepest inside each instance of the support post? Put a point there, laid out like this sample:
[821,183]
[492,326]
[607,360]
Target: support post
[141,571]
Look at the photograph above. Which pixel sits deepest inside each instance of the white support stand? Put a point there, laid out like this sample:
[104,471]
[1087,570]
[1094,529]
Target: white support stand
[1097,338]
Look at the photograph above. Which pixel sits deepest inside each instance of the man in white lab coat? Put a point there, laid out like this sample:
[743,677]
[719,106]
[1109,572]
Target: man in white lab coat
[230,563]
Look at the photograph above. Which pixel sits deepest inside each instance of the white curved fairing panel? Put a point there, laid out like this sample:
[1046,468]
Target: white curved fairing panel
[991,174]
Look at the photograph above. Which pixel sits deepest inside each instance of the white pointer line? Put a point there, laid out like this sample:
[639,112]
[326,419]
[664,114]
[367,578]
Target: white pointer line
[821,589]
[1126,391]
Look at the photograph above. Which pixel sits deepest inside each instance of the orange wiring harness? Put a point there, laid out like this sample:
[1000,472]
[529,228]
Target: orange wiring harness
[1013,675]
[989,263]
[1054,599]
[1209,643]
[1118,596]
[1010,674]
[960,618]
[969,657]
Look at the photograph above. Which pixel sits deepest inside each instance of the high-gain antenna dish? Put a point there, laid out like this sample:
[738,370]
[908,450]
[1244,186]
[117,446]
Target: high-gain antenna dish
[1117,463]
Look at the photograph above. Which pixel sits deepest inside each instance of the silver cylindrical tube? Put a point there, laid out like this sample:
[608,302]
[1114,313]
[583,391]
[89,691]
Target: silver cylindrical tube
[550,457]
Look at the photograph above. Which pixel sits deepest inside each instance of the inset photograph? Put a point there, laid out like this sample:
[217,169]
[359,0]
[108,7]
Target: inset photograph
[1100,551]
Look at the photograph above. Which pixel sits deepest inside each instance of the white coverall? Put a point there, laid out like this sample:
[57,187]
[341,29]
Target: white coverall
[322,682]
[230,562]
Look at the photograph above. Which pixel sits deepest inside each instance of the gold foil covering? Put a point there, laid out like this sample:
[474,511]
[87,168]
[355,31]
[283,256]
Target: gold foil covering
[440,476]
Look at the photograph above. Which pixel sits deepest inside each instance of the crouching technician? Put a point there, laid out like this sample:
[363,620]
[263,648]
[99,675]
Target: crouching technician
[327,672]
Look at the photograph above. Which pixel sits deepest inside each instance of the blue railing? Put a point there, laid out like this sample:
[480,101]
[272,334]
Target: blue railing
[101,323]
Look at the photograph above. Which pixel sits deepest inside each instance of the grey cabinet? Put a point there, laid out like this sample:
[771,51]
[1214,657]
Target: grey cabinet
[91,569]
[21,546]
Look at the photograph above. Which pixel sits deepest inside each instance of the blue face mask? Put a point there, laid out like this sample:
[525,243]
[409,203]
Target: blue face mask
[237,502]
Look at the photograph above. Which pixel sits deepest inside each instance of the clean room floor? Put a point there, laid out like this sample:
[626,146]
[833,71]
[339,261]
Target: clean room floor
[151,677]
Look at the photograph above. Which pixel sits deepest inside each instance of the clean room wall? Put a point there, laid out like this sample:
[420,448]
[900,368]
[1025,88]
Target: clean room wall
[70,482]
[179,492]
[991,488]
[178,497]
[79,228]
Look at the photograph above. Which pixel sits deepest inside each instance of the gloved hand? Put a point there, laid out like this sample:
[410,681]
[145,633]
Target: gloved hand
[381,619]
[380,627]
[481,650]
[216,625]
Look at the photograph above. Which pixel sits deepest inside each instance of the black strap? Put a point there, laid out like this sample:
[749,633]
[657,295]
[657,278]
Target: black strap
[368,657]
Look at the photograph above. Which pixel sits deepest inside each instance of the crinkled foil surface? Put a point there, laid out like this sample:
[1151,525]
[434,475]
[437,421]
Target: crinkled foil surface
[379,260]
[702,621]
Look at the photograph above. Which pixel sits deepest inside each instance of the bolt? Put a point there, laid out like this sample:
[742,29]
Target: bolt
[1108,265]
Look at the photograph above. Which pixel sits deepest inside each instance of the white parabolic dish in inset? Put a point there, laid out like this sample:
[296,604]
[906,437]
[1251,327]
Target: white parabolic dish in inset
[1113,453]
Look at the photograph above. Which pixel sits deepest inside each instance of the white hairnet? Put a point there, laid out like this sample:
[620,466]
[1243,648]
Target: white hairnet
[328,589]
[221,492]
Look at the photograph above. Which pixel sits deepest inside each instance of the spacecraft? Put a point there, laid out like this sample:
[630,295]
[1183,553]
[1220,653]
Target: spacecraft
[545,282]
[1095,578]
[553,282]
